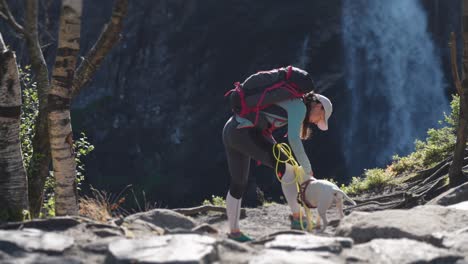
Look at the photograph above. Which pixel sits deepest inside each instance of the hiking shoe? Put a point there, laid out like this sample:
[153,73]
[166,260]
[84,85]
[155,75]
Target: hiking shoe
[296,224]
[239,237]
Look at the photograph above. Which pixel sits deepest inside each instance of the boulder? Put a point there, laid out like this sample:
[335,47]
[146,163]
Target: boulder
[181,248]
[419,223]
[36,258]
[309,242]
[399,251]
[457,240]
[100,246]
[140,228]
[460,206]
[455,195]
[30,239]
[58,223]
[164,218]
[105,230]
[275,256]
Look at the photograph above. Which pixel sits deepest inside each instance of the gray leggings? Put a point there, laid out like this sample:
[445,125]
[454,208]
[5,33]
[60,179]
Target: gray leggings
[242,144]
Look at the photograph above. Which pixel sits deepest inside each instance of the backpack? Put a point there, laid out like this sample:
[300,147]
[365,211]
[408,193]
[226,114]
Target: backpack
[266,88]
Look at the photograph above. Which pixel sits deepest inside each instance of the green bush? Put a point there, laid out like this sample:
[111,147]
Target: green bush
[216,201]
[373,179]
[438,145]
[332,181]
[29,112]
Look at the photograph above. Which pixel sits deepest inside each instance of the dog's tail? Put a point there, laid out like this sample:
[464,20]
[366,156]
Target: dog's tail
[346,197]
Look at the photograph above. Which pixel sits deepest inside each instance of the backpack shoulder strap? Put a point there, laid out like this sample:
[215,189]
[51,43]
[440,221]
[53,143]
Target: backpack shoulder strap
[289,71]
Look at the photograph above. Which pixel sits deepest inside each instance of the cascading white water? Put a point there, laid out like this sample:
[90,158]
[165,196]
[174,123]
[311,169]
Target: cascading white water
[304,57]
[394,79]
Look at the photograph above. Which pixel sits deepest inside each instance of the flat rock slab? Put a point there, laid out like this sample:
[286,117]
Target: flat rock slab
[274,256]
[33,240]
[98,246]
[460,206]
[34,258]
[310,243]
[58,223]
[181,248]
[104,230]
[164,218]
[399,251]
[452,196]
[457,240]
[139,228]
[419,223]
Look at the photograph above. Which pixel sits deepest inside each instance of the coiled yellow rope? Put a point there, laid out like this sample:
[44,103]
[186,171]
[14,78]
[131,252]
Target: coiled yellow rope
[298,178]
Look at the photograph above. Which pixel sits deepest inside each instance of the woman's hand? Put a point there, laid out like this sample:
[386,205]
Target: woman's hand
[312,174]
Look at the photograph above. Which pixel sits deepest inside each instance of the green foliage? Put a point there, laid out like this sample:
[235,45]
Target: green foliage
[216,201]
[452,119]
[332,181]
[268,203]
[82,148]
[373,179]
[49,205]
[439,144]
[29,113]
[26,215]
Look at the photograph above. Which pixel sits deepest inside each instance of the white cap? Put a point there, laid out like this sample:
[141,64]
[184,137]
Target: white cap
[327,106]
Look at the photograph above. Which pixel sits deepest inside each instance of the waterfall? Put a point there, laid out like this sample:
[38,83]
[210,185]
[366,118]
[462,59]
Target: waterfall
[304,51]
[394,80]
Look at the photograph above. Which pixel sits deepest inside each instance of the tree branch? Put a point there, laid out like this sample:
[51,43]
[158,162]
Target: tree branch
[109,36]
[40,160]
[6,14]
[2,44]
[453,55]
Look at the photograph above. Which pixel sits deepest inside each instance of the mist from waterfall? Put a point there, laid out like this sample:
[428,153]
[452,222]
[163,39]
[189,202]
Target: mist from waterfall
[394,81]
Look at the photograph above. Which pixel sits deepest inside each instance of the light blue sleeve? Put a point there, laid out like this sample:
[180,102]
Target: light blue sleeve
[296,114]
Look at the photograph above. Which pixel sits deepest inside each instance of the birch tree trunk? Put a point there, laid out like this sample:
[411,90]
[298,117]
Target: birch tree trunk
[60,130]
[110,35]
[13,179]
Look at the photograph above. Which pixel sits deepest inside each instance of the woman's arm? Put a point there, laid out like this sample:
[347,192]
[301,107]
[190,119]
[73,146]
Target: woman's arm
[296,114]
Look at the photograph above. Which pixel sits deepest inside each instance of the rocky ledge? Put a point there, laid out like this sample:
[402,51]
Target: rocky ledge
[430,233]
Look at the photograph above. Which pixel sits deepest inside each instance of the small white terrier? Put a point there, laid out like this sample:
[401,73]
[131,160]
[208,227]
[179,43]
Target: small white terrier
[321,194]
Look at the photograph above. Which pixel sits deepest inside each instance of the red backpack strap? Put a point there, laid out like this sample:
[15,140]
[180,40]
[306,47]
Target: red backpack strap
[244,108]
[289,72]
[236,89]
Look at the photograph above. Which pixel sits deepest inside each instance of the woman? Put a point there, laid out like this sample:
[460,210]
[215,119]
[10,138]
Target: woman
[244,141]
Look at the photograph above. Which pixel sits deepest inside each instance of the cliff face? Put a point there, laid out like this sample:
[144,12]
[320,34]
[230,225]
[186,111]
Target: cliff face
[155,110]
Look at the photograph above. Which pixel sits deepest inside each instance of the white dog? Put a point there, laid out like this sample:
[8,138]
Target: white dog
[321,194]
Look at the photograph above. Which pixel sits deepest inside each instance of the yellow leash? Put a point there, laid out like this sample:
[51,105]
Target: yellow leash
[298,178]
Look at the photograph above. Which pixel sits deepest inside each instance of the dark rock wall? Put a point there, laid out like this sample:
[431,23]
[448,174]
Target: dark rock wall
[155,109]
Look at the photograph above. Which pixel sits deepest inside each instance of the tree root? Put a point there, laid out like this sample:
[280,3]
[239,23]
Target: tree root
[425,185]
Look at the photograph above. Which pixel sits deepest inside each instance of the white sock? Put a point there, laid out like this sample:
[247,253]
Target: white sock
[233,207]
[290,190]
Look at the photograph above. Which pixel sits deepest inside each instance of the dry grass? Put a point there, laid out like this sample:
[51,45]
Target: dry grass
[101,206]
